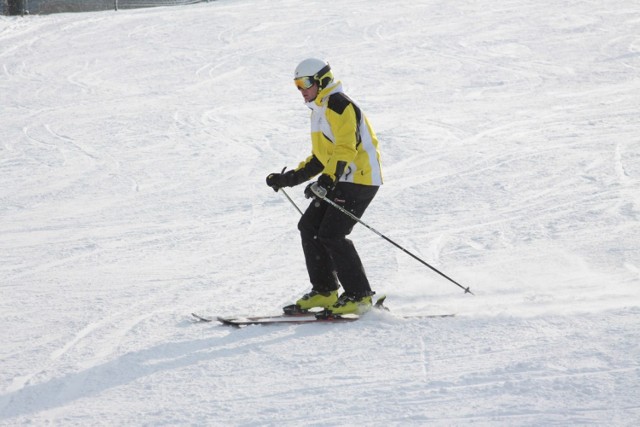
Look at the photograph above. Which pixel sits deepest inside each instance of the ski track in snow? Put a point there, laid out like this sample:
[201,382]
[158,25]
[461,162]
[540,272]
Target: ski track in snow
[133,154]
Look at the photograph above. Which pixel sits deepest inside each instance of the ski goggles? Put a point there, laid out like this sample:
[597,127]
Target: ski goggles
[304,82]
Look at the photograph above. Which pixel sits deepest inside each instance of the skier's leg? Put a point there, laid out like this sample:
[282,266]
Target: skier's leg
[334,228]
[320,266]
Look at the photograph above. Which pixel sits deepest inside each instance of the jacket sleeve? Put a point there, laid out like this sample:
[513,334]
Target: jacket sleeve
[305,171]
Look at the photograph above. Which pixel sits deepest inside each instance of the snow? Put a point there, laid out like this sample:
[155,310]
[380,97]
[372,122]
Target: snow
[133,151]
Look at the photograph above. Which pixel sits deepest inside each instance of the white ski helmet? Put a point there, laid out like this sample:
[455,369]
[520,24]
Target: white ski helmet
[315,71]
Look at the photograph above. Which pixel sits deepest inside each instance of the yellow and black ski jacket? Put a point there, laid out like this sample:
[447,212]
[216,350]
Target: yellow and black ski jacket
[341,133]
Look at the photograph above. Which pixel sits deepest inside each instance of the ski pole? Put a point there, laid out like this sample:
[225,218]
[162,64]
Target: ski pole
[322,193]
[292,202]
[286,195]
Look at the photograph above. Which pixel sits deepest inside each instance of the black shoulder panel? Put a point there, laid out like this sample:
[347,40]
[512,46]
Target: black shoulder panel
[338,102]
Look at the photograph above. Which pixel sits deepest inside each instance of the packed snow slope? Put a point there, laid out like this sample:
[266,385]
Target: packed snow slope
[133,151]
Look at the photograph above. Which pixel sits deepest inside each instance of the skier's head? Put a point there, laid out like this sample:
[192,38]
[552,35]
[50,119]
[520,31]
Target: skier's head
[311,72]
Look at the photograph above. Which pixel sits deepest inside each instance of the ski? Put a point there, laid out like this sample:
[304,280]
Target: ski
[293,315]
[201,318]
[427,316]
[298,319]
[222,319]
[285,319]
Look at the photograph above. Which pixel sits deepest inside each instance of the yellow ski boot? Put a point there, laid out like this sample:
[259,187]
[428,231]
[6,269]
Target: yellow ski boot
[317,299]
[348,304]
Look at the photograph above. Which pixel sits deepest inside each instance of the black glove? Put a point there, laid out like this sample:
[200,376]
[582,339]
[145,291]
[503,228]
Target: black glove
[277,180]
[321,188]
[326,182]
[287,179]
[283,179]
[308,194]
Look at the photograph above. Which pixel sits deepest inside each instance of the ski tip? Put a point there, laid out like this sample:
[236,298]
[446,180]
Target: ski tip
[201,318]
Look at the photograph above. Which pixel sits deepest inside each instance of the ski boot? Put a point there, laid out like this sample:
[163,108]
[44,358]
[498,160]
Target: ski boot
[350,304]
[313,299]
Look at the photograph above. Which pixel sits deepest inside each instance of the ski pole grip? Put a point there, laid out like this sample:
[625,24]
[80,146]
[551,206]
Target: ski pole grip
[318,190]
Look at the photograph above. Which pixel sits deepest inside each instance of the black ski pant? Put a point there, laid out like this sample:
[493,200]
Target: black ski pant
[331,258]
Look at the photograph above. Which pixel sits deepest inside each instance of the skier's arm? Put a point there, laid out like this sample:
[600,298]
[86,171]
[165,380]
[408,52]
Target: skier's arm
[306,170]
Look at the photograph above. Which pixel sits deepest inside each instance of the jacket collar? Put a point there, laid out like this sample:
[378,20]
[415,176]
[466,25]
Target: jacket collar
[335,87]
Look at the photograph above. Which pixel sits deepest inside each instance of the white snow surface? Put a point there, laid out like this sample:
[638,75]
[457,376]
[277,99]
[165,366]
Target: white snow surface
[133,151]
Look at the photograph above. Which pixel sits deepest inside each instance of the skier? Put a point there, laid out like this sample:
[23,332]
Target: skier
[344,151]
